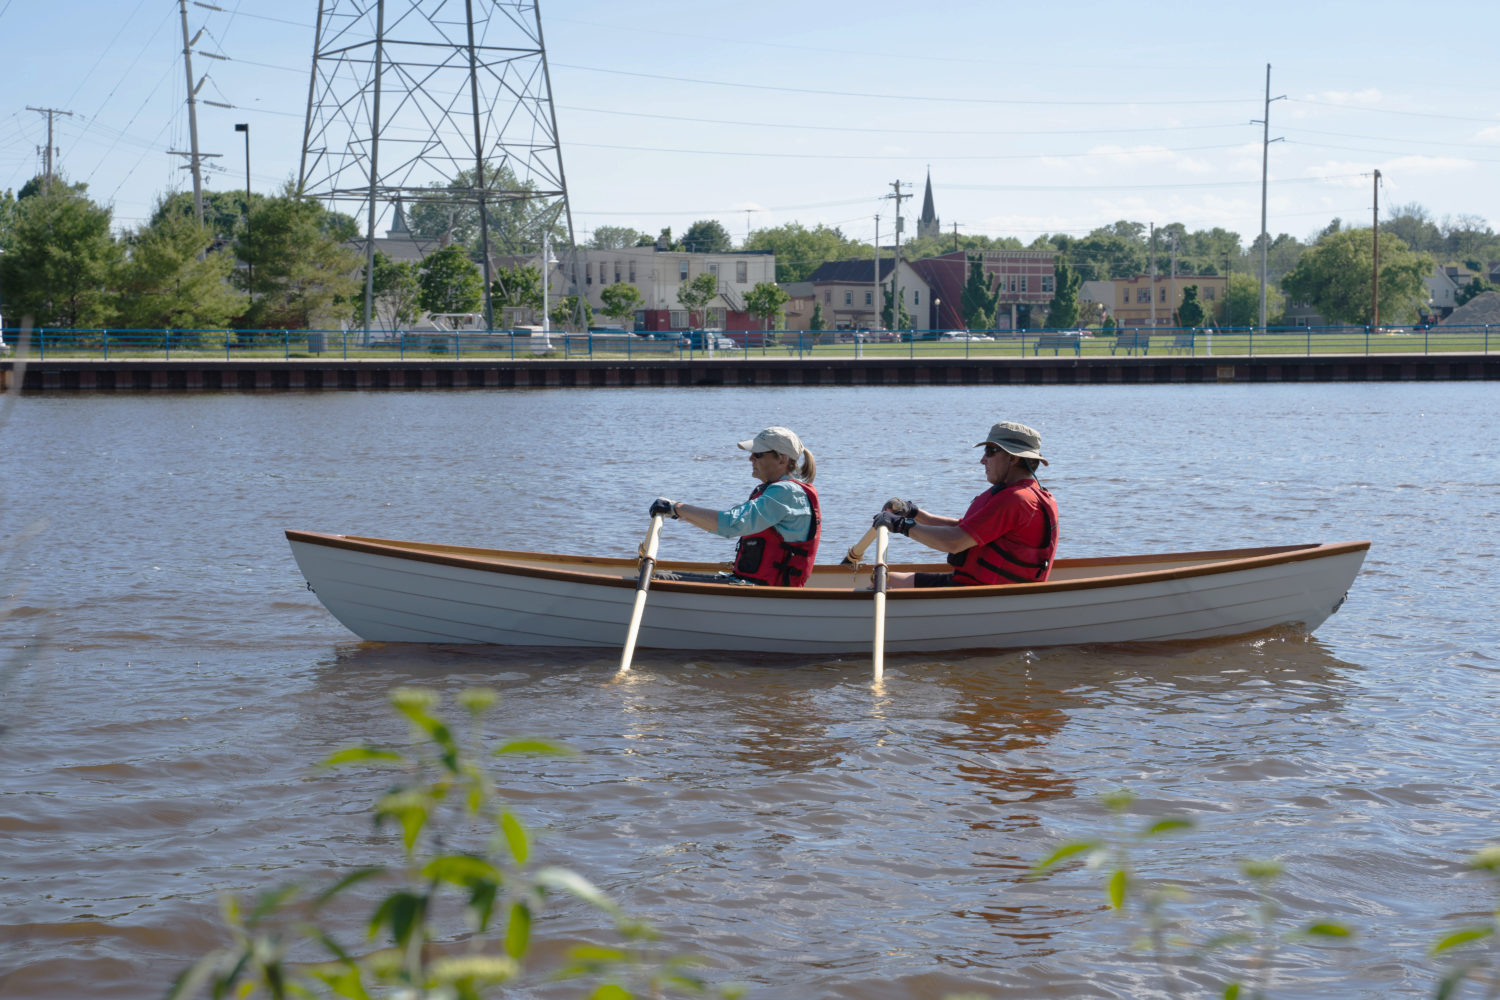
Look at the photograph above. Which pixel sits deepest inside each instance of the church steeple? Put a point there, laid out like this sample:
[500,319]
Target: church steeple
[928,224]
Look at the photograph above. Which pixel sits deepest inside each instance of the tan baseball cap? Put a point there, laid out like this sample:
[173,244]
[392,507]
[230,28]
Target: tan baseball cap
[777,439]
[1017,439]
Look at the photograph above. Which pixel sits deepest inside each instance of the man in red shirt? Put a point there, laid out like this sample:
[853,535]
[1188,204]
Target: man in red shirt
[1009,532]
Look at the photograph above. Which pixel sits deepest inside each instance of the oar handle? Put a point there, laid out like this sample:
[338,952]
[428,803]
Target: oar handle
[856,553]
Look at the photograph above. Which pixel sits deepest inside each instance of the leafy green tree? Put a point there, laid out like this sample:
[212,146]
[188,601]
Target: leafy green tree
[302,271]
[564,314]
[816,322]
[518,286]
[901,321]
[1190,312]
[800,251]
[1335,277]
[616,238]
[60,259]
[621,300]
[1063,312]
[169,280]
[1242,302]
[223,211]
[765,300]
[1469,292]
[707,236]
[396,290]
[979,298]
[695,295]
[665,241]
[451,213]
[450,282]
[935,246]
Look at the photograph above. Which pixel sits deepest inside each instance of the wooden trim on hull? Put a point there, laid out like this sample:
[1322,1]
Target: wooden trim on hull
[614,572]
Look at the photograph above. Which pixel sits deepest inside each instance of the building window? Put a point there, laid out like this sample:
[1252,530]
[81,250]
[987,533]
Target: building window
[1161,295]
[617,272]
[1143,295]
[1023,282]
[1012,282]
[869,298]
[603,278]
[713,269]
[848,298]
[741,271]
[632,272]
[682,270]
[916,296]
[1208,292]
[828,297]
[1047,283]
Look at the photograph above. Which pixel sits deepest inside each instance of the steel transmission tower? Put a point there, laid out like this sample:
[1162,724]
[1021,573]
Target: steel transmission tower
[443,105]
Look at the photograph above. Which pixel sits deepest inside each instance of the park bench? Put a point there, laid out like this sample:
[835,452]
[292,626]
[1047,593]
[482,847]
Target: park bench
[1058,341]
[1185,340]
[1130,341]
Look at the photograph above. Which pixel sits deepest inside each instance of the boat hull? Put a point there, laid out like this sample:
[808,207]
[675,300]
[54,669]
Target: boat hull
[390,591]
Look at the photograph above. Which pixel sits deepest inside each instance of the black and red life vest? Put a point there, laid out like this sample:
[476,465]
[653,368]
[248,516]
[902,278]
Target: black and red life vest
[1005,560]
[767,558]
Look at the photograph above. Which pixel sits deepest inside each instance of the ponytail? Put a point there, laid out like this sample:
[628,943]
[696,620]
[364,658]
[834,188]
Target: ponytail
[809,470]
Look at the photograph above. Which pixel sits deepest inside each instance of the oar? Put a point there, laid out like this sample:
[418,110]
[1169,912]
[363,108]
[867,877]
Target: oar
[877,580]
[642,584]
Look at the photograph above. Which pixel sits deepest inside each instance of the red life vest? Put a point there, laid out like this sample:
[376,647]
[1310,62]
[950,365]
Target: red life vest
[766,557]
[1006,560]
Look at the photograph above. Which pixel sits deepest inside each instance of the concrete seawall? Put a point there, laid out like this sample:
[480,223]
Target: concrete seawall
[198,375]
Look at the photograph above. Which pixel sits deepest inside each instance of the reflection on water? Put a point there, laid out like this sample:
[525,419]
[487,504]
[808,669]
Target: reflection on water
[811,833]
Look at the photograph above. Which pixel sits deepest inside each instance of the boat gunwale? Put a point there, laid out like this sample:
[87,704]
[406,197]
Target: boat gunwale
[1214,562]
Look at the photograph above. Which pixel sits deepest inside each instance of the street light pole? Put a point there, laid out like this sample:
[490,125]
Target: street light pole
[245,128]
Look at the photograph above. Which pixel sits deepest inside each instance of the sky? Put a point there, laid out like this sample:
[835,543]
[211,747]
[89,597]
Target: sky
[1030,117]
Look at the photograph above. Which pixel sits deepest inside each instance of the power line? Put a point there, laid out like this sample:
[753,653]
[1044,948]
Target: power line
[920,98]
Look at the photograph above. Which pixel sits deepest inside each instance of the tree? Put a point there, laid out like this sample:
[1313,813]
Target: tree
[517,287]
[450,213]
[223,211]
[302,271]
[1062,314]
[621,300]
[893,316]
[707,236]
[1190,312]
[696,294]
[1242,302]
[60,259]
[1471,291]
[450,282]
[396,290]
[1334,277]
[980,296]
[616,238]
[169,280]
[765,300]
[800,251]
[565,312]
[816,322]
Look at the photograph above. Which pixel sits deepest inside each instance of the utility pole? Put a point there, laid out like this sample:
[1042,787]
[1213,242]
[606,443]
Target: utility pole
[1375,280]
[1173,300]
[896,266]
[875,284]
[955,237]
[194,158]
[1152,251]
[49,149]
[1265,160]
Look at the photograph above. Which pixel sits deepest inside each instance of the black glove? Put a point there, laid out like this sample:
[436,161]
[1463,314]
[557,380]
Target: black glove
[892,521]
[902,508]
[664,507]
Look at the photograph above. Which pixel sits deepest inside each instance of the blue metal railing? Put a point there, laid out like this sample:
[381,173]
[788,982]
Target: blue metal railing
[691,344]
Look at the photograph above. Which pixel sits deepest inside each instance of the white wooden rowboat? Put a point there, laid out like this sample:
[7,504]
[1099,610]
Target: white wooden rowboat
[395,591]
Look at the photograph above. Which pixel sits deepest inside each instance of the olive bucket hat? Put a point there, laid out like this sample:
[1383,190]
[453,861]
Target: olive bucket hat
[1015,439]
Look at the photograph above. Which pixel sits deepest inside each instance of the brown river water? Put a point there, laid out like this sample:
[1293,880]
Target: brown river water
[167,683]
